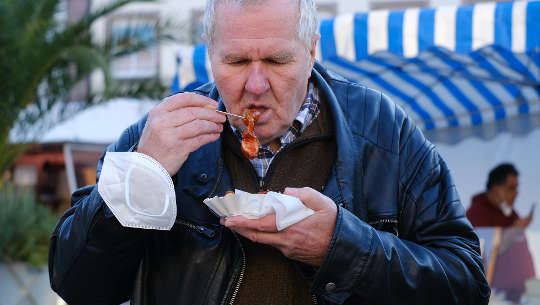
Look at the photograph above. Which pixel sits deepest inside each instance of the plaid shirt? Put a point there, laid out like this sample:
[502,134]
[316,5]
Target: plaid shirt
[307,114]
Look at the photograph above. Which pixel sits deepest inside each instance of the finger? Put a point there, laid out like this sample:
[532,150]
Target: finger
[264,224]
[270,238]
[310,198]
[184,115]
[186,99]
[197,128]
[197,142]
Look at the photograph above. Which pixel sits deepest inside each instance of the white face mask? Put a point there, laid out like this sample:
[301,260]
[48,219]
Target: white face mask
[506,209]
[138,190]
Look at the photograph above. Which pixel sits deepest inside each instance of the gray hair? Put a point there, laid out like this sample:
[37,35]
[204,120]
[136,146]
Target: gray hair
[308,21]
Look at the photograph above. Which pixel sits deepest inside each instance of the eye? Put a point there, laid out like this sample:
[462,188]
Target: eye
[275,61]
[238,62]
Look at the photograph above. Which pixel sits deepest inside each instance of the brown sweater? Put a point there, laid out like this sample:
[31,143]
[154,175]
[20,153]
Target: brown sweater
[270,277]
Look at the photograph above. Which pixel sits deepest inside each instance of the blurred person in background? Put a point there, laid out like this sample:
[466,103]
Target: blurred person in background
[495,206]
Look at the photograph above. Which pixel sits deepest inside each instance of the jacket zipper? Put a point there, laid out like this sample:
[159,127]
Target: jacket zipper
[198,228]
[387,221]
[384,220]
[314,300]
[240,276]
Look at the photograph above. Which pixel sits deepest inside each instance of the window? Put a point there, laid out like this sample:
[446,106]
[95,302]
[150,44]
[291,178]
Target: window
[327,10]
[126,30]
[397,4]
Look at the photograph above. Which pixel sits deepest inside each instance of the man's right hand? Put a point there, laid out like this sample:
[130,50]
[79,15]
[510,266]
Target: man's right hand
[179,125]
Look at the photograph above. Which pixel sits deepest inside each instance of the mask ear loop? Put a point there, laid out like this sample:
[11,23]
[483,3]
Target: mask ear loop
[128,202]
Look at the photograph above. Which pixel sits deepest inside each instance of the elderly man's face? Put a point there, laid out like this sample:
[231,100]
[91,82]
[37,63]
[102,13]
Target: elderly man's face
[259,62]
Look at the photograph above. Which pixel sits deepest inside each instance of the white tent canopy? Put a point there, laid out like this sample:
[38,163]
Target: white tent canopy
[100,124]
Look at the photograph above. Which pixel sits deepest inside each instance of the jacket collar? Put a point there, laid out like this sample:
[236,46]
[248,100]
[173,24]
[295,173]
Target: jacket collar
[342,191]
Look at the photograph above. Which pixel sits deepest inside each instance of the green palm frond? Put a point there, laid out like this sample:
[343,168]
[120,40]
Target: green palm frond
[42,60]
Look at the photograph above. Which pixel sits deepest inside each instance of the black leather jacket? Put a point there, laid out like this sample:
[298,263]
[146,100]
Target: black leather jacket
[401,236]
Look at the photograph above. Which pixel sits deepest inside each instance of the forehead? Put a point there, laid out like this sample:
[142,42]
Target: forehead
[261,20]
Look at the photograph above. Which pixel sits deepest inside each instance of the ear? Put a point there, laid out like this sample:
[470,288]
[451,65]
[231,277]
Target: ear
[312,54]
[313,51]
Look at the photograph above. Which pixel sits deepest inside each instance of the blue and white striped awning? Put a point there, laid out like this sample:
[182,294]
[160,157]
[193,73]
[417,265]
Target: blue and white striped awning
[448,67]
[511,25]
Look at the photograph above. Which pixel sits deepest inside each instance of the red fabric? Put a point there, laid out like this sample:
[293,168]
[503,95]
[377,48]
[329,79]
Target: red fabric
[482,213]
[514,262]
[514,265]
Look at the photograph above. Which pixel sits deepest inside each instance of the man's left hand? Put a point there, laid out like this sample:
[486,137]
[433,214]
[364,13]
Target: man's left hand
[306,241]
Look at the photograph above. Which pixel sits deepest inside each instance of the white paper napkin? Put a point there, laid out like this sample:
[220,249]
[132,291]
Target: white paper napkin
[288,209]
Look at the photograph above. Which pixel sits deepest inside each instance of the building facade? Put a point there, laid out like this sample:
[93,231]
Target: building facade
[185,17]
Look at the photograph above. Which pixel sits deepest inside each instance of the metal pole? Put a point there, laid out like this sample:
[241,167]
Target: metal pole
[70,168]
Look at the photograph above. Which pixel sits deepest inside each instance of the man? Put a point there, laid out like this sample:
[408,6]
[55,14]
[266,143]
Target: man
[387,228]
[495,207]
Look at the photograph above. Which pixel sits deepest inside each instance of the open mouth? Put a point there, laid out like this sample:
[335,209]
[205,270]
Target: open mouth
[258,108]
[263,113]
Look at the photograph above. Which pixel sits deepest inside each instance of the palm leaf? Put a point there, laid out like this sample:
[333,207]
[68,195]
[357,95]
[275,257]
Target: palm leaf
[43,60]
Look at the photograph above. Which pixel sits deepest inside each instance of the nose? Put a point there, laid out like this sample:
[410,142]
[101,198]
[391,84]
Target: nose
[256,83]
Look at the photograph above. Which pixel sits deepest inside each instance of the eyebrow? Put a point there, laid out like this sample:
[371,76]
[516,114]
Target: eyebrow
[280,56]
[233,57]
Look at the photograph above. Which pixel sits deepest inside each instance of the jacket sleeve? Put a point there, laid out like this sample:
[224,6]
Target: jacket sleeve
[435,259]
[93,259]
